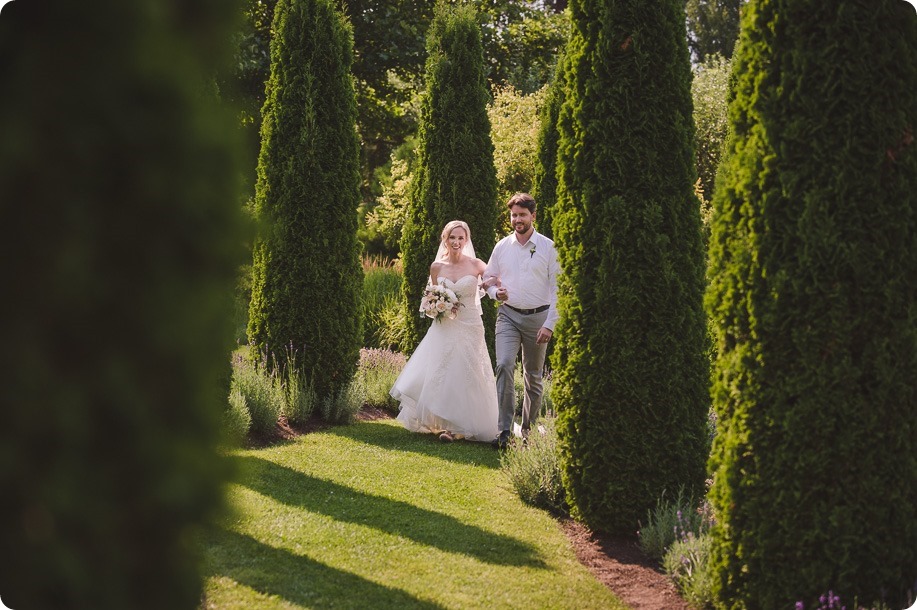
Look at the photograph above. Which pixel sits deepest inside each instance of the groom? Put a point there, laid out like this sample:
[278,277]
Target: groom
[522,275]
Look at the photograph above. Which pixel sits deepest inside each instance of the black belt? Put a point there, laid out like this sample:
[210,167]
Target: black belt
[528,312]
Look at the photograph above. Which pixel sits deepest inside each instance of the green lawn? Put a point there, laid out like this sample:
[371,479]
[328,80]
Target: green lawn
[372,516]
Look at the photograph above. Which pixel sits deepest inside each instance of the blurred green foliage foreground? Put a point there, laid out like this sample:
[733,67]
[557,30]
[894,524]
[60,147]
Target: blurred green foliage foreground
[121,237]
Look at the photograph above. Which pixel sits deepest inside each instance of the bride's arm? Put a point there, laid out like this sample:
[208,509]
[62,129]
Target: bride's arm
[434,272]
[480,267]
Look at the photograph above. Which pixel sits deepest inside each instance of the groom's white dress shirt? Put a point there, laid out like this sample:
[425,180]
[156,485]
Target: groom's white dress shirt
[528,272]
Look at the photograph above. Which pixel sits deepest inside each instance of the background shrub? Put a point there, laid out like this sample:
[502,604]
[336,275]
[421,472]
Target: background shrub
[120,201]
[515,124]
[710,94]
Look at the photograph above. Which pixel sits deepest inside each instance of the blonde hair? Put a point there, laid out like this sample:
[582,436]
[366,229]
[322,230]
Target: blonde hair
[451,226]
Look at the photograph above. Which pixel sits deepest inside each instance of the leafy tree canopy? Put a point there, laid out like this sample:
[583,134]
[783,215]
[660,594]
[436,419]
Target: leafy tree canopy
[713,27]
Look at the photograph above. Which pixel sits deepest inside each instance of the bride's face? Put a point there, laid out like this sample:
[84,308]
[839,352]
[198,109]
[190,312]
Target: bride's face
[457,239]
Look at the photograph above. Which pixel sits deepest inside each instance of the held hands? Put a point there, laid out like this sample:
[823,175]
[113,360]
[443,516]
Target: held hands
[502,293]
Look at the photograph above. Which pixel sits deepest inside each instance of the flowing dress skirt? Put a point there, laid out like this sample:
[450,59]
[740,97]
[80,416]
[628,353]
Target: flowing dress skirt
[448,383]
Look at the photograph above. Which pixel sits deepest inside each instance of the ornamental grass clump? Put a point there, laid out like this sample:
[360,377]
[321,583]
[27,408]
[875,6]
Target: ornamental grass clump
[379,368]
[390,323]
[381,286]
[533,468]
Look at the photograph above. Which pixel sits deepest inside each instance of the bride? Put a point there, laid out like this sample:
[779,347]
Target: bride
[447,386]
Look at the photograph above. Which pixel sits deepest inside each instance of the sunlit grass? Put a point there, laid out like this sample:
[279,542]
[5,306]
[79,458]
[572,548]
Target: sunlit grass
[372,516]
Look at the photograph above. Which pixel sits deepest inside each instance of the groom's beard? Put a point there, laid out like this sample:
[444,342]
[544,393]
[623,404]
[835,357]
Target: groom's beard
[525,228]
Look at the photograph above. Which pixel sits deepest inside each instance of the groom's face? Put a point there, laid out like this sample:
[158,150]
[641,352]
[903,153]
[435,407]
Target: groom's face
[521,219]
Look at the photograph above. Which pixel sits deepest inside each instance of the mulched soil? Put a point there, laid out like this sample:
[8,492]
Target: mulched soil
[618,563]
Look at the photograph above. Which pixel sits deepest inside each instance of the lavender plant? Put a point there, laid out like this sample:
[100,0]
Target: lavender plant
[298,391]
[832,601]
[236,419]
[533,468]
[263,393]
[379,368]
[341,408]
[673,521]
[686,563]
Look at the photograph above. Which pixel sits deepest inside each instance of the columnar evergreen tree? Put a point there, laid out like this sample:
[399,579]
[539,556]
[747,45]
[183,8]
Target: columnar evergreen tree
[306,277]
[813,287]
[545,188]
[120,204]
[455,176]
[631,385]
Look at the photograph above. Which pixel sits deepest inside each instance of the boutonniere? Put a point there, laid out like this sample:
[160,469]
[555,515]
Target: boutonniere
[532,251]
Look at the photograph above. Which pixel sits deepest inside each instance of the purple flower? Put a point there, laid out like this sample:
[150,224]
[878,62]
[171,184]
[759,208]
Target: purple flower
[800,606]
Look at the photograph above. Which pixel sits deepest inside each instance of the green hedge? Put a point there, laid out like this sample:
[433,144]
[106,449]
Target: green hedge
[122,235]
[631,387]
[814,293]
[306,276]
[455,176]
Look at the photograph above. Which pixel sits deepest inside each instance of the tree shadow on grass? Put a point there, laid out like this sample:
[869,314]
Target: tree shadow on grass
[346,504]
[296,578]
[396,438]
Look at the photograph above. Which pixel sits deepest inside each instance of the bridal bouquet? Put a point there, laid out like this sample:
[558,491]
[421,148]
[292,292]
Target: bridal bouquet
[438,302]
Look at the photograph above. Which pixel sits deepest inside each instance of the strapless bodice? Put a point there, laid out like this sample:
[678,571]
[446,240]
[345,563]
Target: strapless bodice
[464,287]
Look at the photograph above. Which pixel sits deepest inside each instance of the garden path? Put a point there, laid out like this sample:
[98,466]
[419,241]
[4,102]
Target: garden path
[617,563]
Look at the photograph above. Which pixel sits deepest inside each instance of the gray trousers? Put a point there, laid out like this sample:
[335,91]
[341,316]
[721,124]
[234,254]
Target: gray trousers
[515,330]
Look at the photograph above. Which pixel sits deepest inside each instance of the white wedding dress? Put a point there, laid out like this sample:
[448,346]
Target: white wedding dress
[448,383]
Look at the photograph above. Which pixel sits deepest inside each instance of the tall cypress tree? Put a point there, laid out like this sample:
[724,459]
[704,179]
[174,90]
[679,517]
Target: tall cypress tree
[545,188]
[631,386]
[813,287]
[306,277]
[120,200]
[455,176]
